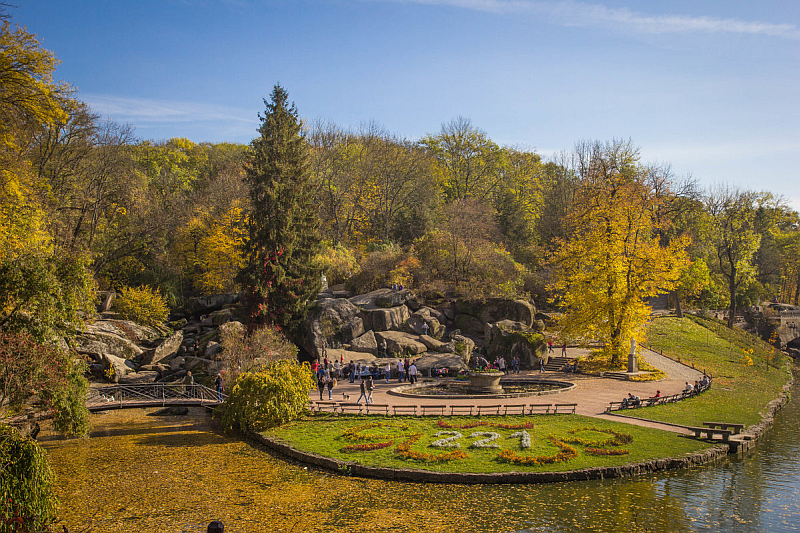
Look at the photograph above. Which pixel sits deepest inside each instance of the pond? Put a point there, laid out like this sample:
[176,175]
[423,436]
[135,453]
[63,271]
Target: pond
[176,474]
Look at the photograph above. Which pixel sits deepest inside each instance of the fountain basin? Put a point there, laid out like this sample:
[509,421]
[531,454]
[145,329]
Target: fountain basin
[509,388]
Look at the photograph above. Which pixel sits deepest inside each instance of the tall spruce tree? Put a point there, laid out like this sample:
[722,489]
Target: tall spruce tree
[280,279]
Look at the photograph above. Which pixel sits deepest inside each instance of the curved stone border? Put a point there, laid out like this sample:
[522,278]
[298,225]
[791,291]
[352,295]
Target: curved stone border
[429,476]
[400,391]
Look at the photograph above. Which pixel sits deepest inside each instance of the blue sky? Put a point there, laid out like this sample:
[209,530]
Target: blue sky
[712,87]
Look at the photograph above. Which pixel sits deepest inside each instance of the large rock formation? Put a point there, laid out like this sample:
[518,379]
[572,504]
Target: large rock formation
[508,338]
[213,302]
[393,318]
[332,320]
[366,343]
[166,349]
[399,343]
[425,315]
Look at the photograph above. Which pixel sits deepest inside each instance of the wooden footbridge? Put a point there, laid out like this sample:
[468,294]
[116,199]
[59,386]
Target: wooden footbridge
[151,395]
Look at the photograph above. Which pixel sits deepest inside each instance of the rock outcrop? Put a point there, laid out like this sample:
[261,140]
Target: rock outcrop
[508,338]
[334,321]
[399,343]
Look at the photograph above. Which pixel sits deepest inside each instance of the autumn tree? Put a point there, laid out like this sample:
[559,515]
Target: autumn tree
[613,259]
[280,279]
[468,162]
[734,237]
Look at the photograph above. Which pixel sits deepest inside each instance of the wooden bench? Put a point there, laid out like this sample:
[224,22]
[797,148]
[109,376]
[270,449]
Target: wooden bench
[515,407]
[382,407]
[489,409]
[329,407]
[461,410]
[433,409]
[565,408]
[735,428]
[350,408]
[539,408]
[711,433]
[405,410]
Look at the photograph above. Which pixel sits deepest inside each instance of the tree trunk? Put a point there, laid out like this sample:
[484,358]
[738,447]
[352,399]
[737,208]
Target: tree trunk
[732,316]
[678,309]
[797,290]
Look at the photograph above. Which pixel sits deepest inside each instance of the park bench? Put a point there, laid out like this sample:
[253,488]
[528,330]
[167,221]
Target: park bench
[489,409]
[565,407]
[510,408]
[539,408]
[405,409]
[725,434]
[461,410]
[350,408]
[329,407]
[735,428]
[377,407]
[426,409]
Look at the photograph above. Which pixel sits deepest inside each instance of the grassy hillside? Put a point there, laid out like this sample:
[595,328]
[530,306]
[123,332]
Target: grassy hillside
[747,372]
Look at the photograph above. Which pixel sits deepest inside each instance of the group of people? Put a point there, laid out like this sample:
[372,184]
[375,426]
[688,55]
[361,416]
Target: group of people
[698,385]
[499,363]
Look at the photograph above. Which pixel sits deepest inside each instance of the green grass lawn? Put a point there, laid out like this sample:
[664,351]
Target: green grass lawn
[739,392]
[325,435]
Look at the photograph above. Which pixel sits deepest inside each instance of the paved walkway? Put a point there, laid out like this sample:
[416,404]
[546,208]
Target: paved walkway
[591,394]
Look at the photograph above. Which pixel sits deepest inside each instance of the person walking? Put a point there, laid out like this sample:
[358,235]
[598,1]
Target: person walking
[188,384]
[369,387]
[363,387]
[337,369]
[219,386]
[400,369]
[412,373]
[330,384]
[321,384]
[407,364]
[564,350]
[352,368]
[424,328]
[549,345]
[541,366]
[501,365]
[388,371]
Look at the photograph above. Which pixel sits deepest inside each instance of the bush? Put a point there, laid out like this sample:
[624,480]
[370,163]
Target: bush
[248,352]
[275,395]
[27,482]
[339,263]
[376,269]
[143,305]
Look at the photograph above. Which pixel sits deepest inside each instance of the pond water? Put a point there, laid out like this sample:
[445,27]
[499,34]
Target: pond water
[176,474]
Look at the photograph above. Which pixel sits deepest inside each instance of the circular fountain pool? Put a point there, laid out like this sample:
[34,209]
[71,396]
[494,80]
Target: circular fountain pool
[510,388]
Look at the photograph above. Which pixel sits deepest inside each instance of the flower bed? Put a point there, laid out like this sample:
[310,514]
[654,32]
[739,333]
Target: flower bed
[565,453]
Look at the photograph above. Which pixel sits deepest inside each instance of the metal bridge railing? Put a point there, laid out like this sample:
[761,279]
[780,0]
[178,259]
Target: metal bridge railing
[154,393]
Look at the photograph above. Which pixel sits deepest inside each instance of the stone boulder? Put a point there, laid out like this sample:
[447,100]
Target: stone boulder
[166,349]
[213,349]
[452,361]
[231,328]
[399,343]
[335,354]
[393,318]
[142,376]
[497,309]
[124,328]
[201,305]
[366,343]
[462,346]
[468,323]
[101,342]
[433,344]
[119,367]
[332,320]
[508,338]
[381,299]
[431,317]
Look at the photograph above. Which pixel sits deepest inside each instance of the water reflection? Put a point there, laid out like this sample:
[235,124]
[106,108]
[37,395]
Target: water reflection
[177,474]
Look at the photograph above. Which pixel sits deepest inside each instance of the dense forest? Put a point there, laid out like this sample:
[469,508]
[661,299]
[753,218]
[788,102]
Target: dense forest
[84,204]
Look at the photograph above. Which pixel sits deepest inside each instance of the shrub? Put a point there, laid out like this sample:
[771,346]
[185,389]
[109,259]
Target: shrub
[275,395]
[27,482]
[339,263]
[244,351]
[142,305]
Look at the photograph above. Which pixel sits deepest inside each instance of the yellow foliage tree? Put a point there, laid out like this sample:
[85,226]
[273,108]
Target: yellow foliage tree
[614,260]
[208,248]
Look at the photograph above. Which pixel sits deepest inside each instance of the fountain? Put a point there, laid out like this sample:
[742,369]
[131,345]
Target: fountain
[482,384]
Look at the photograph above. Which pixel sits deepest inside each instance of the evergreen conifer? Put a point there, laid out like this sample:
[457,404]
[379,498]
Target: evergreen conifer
[279,279]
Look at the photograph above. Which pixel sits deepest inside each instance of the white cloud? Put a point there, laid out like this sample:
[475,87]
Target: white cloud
[571,13]
[149,111]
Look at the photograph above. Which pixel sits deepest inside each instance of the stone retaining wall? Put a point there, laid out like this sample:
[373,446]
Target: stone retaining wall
[425,476]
